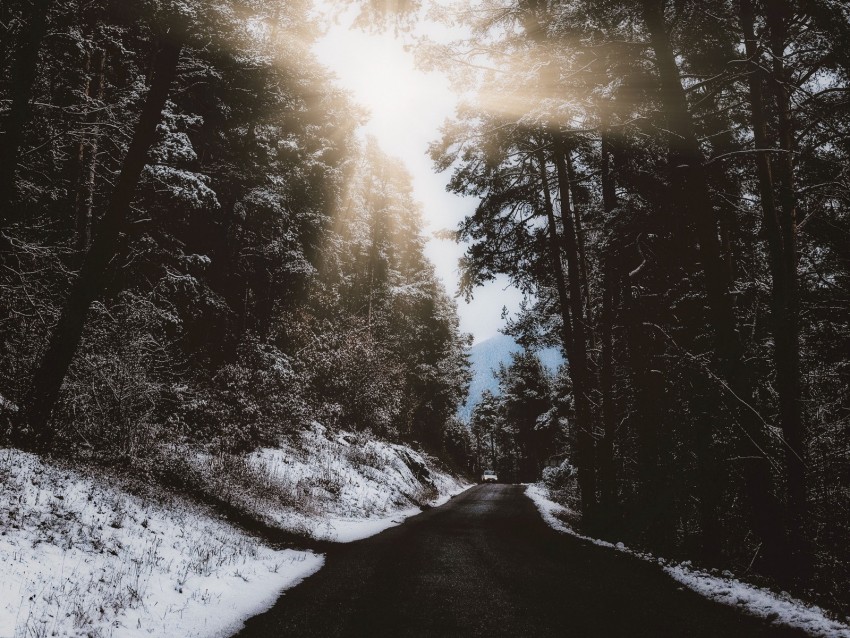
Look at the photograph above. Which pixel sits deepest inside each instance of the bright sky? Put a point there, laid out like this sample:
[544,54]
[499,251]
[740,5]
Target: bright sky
[407,108]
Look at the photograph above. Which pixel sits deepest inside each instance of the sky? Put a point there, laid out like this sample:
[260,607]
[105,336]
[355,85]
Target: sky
[406,109]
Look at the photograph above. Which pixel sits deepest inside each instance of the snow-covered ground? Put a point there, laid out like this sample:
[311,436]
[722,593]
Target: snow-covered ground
[81,557]
[724,588]
[338,487]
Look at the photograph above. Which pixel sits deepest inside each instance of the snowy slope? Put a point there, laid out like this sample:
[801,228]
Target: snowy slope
[333,486]
[81,557]
[485,358]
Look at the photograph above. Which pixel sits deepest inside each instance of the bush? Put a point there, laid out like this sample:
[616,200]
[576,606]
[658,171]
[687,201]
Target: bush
[561,482]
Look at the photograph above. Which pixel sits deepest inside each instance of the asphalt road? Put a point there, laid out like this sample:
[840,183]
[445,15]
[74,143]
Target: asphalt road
[485,564]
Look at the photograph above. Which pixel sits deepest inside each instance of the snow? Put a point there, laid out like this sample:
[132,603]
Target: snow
[5,404]
[781,609]
[347,530]
[185,186]
[81,557]
[343,487]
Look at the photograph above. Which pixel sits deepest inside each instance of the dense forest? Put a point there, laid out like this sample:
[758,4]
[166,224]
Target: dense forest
[196,245]
[668,182]
[523,427]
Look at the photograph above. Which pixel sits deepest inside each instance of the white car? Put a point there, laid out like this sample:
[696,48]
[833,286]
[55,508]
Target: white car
[489,476]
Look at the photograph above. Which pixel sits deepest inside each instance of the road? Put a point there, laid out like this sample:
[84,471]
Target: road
[485,564]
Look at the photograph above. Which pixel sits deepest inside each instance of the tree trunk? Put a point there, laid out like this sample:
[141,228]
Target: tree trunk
[584,437]
[48,379]
[584,276]
[607,473]
[23,77]
[477,469]
[692,184]
[88,153]
[650,407]
[787,308]
[578,359]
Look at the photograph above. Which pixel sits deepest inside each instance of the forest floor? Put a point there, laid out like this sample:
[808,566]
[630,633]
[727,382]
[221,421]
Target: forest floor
[85,552]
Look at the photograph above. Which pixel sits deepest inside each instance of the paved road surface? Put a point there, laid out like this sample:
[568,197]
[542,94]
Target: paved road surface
[485,564]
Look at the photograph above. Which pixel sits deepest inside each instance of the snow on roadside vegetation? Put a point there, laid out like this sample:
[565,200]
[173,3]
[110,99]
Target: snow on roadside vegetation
[778,608]
[338,487]
[80,557]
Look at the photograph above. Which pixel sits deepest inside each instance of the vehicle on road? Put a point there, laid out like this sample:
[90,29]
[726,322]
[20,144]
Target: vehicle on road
[489,476]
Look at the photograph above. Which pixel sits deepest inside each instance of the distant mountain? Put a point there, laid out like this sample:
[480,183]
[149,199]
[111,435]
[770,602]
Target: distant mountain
[486,357]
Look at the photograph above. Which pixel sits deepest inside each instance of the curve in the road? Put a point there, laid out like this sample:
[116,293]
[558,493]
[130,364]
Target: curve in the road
[485,564]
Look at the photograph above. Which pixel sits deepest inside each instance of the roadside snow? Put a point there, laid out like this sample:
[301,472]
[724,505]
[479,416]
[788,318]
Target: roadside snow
[79,557]
[338,487]
[348,530]
[780,609]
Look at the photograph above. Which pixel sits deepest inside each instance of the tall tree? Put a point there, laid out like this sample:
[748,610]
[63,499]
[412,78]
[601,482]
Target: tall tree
[51,372]
[695,197]
[779,222]
[23,74]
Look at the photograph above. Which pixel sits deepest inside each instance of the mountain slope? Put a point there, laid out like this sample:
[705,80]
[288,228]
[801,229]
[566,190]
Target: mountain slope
[485,358]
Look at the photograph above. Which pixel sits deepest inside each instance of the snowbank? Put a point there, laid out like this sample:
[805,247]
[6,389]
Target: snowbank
[780,609]
[344,487]
[79,557]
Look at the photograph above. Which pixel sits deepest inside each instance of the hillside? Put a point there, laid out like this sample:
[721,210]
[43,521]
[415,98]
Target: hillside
[92,553]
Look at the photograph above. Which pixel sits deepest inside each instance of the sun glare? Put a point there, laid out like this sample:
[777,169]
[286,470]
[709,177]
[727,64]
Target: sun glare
[382,76]
[406,108]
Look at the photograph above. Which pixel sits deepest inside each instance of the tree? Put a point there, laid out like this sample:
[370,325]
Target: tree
[90,282]
[483,423]
[24,66]
[526,406]
[682,172]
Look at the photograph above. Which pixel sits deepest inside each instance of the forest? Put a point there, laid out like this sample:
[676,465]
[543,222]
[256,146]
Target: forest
[197,246]
[668,184]
[199,251]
